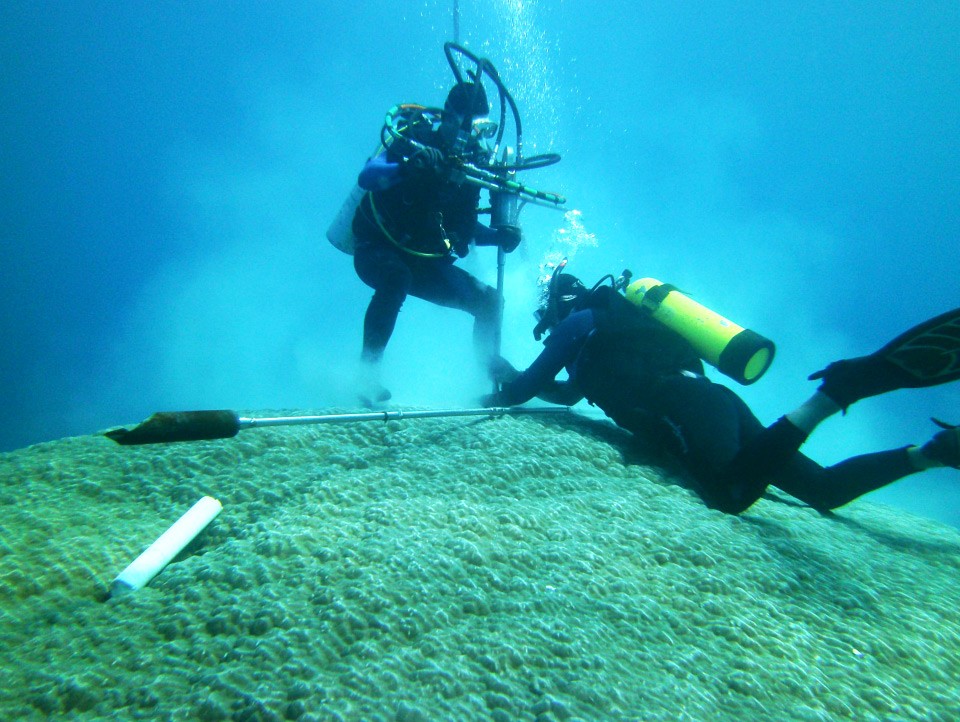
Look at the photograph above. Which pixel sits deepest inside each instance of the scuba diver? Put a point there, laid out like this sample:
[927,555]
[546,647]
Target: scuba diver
[415,211]
[417,216]
[648,377]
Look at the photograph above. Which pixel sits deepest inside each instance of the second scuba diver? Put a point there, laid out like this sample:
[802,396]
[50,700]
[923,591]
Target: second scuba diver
[649,380]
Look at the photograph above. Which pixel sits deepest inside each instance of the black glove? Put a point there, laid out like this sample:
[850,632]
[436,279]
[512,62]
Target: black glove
[501,371]
[459,246]
[490,400]
[427,159]
[509,237]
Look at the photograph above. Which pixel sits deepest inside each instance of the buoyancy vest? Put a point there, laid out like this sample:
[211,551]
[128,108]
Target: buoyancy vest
[424,214]
[628,352]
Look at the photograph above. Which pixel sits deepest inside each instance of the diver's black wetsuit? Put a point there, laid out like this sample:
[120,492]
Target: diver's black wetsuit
[649,380]
[407,227]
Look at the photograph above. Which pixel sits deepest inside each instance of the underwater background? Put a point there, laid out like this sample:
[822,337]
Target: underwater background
[170,170]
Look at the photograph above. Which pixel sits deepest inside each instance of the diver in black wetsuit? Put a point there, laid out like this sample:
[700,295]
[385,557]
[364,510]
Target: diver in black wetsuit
[650,381]
[416,218]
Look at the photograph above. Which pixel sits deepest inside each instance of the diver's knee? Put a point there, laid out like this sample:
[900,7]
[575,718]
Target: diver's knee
[729,506]
[491,304]
[726,501]
[388,298]
[493,298]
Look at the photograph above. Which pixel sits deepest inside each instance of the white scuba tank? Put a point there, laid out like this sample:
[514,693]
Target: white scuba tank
[340,232]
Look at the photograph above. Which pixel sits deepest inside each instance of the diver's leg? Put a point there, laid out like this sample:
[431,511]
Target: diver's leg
[833,486]
[746,477]
[837,485]
[729,451]
[390,278]
[772,453]
[811,412]
[710,425]
[767,451]
[487,308]
[452,287]
[734,457]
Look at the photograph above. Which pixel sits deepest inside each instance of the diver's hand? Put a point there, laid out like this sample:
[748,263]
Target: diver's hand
[427,159]
[488,401]
[502,371]
[459,246]
[509,237]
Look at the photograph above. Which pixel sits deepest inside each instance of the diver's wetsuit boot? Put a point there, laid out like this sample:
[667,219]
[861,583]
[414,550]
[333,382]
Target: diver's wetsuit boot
[370,391]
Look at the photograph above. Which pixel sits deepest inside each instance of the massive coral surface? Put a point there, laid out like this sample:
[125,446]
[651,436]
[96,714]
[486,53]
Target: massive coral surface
[504,568]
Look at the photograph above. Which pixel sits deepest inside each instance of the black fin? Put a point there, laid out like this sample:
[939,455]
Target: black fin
[929,352]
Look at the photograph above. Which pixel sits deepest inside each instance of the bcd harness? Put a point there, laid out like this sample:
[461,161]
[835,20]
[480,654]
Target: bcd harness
[377,219]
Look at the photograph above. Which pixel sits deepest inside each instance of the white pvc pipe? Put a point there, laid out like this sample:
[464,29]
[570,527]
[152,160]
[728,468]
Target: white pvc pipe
[146,566]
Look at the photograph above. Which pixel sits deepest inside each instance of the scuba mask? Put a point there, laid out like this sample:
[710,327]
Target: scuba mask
[483,137]
[564,295]
[484,128]
[467,137]
[465,102]
[482,142]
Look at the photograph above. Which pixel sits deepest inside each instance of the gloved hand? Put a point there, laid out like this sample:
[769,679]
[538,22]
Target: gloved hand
[501,371]
[490,400]
[427,159]
[459,246]
[509,237]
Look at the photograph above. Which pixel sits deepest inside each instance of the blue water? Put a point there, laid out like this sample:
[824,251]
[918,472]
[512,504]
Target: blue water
[170,170]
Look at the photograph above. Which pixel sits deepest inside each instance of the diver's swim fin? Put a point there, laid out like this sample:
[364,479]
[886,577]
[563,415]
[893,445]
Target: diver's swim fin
[930,351]
[926,355]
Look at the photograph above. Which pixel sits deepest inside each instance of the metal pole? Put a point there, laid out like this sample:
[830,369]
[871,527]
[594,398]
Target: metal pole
[167,426]
[498,331]
[249,423]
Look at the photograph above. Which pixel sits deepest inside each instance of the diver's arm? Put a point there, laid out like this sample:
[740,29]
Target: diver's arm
[507,237]
[484,235]
[564,393]
[539,379]
[380,173]
[538,376]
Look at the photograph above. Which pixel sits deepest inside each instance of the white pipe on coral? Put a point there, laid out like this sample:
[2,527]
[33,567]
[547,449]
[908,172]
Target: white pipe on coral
[146,566]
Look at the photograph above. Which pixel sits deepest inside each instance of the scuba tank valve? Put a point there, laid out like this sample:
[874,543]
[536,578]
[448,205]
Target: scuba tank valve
[624,280]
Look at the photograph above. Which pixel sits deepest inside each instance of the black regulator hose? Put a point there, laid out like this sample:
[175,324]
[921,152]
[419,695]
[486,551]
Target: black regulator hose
[484,66]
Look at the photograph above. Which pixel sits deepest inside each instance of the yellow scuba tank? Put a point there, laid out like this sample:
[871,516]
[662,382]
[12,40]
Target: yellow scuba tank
[739,353]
